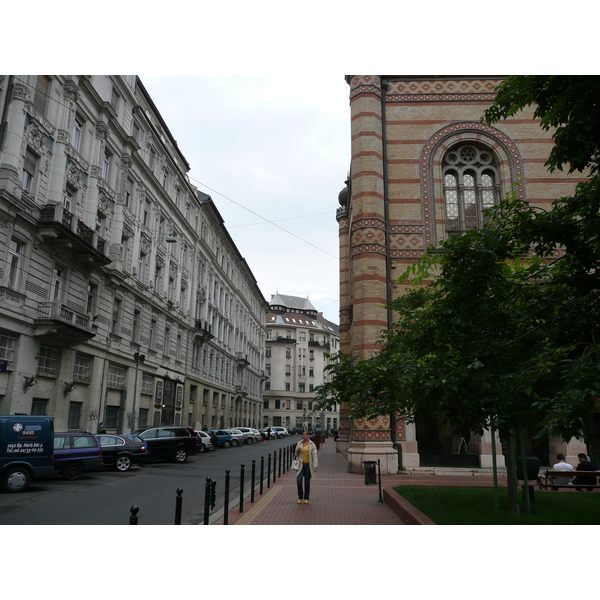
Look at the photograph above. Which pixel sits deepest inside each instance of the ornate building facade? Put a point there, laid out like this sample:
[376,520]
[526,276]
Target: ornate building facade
[423,168]
[298,339]
[123,298]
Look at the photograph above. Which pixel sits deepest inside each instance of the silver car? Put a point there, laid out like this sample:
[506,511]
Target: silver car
[251,435]
[237,437]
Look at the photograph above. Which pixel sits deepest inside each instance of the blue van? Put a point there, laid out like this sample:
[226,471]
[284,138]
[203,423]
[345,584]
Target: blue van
[26,450]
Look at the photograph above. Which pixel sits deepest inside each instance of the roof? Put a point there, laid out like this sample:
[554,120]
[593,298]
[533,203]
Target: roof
[292,302]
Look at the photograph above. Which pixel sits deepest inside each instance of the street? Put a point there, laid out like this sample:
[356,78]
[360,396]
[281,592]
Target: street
[105,497]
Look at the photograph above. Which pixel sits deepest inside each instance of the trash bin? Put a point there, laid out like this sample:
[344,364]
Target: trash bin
[370,471]
[532,464]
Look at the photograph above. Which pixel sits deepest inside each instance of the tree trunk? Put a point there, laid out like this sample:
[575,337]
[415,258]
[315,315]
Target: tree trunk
[511,473]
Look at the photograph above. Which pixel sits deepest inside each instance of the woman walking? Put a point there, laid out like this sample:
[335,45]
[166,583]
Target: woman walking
[307,463]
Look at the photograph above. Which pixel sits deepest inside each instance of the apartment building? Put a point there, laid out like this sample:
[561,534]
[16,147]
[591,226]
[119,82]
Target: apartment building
[124,300]
[299,342]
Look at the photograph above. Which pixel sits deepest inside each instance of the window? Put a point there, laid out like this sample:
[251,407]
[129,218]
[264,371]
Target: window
[115,376]
[15,264]
[69,199]
[7,347]
[77,133]
[39,406]
[147,381]
[111,417]
[106,165]
[301,387]
[81,371]
[135,329]
[299,405]
[141,268]
[40,98]
[143,417]
[128,192]
[277,404]
[116,317]
[471,185]
[287,387]
[75,415]
[58,276]
[92,295]
[268,352]
[48,360]
[29,170]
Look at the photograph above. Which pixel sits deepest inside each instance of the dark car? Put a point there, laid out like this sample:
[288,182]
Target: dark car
[121,452]
[172,442]
[75,453]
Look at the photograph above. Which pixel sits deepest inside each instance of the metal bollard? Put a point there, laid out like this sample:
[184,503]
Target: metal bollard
[242,488]
[206,499]
[262,473]
[269,470]
[284,460]
[178,504]
[133,517]
[279,472]
[253,478]
[274,466]
[226,505]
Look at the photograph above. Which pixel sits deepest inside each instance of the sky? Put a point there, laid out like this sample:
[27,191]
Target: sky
[273,152]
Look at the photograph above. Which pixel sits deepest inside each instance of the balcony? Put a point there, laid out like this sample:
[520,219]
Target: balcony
[60,229]
[202,331]
[242,359]
[325,345]
[58,325]
[282,340]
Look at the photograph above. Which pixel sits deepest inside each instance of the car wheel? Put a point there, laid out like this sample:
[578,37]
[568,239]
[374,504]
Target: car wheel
[250,441]
[226,444]
[123,463]
[203,448]
[234,443]
[72,471]
[16,480]
[181,455]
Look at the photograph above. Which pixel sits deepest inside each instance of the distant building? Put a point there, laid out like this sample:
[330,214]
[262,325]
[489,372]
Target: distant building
[298,339]
[423,168]
[123,299]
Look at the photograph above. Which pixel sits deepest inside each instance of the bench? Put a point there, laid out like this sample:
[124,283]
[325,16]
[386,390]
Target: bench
[546,481]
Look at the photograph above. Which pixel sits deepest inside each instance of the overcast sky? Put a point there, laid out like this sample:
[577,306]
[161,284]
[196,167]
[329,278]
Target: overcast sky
[273,151]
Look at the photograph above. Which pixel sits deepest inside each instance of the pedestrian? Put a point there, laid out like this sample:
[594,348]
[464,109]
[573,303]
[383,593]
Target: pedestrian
[584,465]
[101,428]
[306,463]
[561,465]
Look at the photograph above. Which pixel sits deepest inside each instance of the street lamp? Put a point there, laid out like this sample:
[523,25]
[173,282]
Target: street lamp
[139,358]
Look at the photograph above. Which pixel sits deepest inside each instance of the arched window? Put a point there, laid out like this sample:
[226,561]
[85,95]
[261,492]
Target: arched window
[471,184]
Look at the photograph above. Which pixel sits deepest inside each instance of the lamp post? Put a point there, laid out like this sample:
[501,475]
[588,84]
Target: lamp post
[139,358]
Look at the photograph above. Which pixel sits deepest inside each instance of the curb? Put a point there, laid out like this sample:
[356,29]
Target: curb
[409,514]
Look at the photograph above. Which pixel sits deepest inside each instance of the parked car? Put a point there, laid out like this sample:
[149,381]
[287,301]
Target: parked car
[295,430]
[205,442]
[121,452]
[75,453]
[251,435]
[281,432]
[268,433]
[224,439]
[171,442]
[26,450]
[237,437]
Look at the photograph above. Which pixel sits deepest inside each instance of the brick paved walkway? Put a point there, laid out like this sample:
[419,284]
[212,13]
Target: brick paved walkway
[337,498]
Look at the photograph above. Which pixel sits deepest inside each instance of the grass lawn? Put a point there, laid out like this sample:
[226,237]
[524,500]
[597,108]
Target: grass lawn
[475,506]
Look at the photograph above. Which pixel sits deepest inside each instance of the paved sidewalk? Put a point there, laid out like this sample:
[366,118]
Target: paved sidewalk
[336,498]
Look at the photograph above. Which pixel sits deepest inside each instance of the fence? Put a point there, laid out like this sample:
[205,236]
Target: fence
[276,465]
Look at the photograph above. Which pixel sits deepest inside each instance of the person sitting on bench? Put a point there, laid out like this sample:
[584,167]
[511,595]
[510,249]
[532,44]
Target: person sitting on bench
[584,465]
[561,465]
